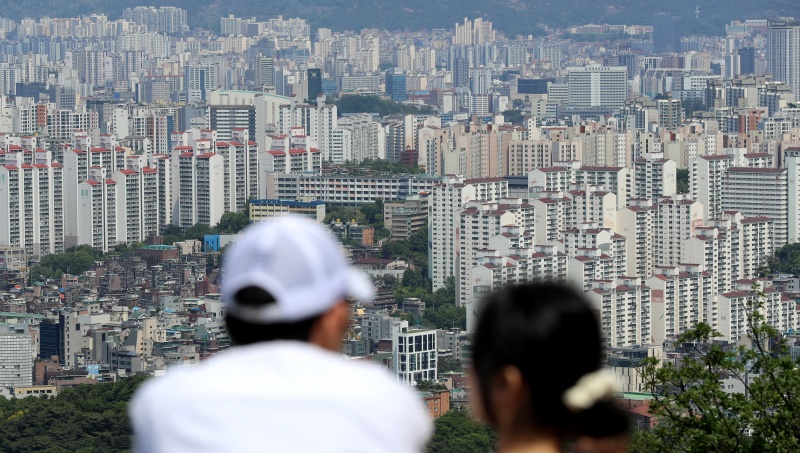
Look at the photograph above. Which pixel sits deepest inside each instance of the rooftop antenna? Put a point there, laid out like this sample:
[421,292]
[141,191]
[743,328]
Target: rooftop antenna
[697,12]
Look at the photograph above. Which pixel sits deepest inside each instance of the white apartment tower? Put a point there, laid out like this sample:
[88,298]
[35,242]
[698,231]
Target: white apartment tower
[757,192]
[654,176]
[706,174]
[677,217]
[31,196]
[97,210]
[625,311]
[444,233]
[200,184]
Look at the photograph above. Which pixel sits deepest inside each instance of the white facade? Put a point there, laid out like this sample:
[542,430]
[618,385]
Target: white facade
[97,210]
[770,200]
[444,231]
[414,356]
[16,355]
[597,86]
[31,195]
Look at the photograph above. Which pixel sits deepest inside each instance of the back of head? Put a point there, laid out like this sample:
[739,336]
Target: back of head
[551,335]
[283,274]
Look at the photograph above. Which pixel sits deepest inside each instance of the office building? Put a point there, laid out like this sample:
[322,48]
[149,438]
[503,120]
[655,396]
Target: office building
[667,33]
[16,355]
[396,84]
[314,84]
[267,209]
[199,80]
[747,60]
[597,86]
[783,59]
[414,355]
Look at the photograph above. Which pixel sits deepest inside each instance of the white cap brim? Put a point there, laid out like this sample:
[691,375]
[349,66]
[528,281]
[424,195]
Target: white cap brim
[360,287]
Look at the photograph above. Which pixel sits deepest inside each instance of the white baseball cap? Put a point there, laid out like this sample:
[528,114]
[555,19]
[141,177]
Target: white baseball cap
[295,260]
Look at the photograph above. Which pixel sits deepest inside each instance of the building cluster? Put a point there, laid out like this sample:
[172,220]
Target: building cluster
[656,175]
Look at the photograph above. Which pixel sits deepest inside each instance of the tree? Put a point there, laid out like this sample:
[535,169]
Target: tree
[682,182]
[786,260]
[232,223]
[84,418]
[430,386]
[514,116]
[693,105]
[74,261]
[697,415]
[457,432]
[446,317]
[448,364]
[198,231]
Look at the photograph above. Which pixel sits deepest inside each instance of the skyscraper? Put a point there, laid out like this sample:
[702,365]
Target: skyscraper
[783,59]
[597,86]
[460,72]
[314,80]
[265,72]
[747,60]
[667,33]
[396,84]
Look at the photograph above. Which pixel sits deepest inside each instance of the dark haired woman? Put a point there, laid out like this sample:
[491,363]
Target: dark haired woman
[536,367]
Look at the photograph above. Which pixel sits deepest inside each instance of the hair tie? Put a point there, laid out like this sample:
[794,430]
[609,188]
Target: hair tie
[590,389]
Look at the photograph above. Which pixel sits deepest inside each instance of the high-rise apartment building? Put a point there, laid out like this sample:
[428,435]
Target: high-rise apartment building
[97,210]
[200,184]
[31,196]
[444,237]
[771,199]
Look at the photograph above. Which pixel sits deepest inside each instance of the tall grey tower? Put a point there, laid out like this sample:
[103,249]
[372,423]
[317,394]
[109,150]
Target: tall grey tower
[783,52]
[667,33]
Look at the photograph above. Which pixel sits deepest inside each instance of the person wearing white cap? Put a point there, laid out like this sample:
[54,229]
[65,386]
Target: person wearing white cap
[285,387]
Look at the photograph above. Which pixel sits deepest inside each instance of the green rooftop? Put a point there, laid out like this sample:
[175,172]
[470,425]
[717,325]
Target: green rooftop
[8,314]
[158,247]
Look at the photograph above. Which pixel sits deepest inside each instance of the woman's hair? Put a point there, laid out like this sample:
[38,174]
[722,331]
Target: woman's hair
[550,333]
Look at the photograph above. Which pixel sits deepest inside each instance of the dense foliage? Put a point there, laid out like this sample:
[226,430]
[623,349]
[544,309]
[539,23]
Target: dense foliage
[441,311]
[786,260]
[374,104]
[87,418]
[457,432]
[682,182]
[697,414]
[514,116]
[74,261]
[380,166]
[693,105]
[370,214]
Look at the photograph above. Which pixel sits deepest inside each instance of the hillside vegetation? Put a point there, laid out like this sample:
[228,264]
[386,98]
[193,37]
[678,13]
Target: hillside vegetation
[511,17]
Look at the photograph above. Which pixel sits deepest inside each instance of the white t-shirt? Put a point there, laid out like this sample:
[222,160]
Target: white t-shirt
[285,396]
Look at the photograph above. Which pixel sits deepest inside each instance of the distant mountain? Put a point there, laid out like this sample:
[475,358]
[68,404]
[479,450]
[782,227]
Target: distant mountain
[509,16]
